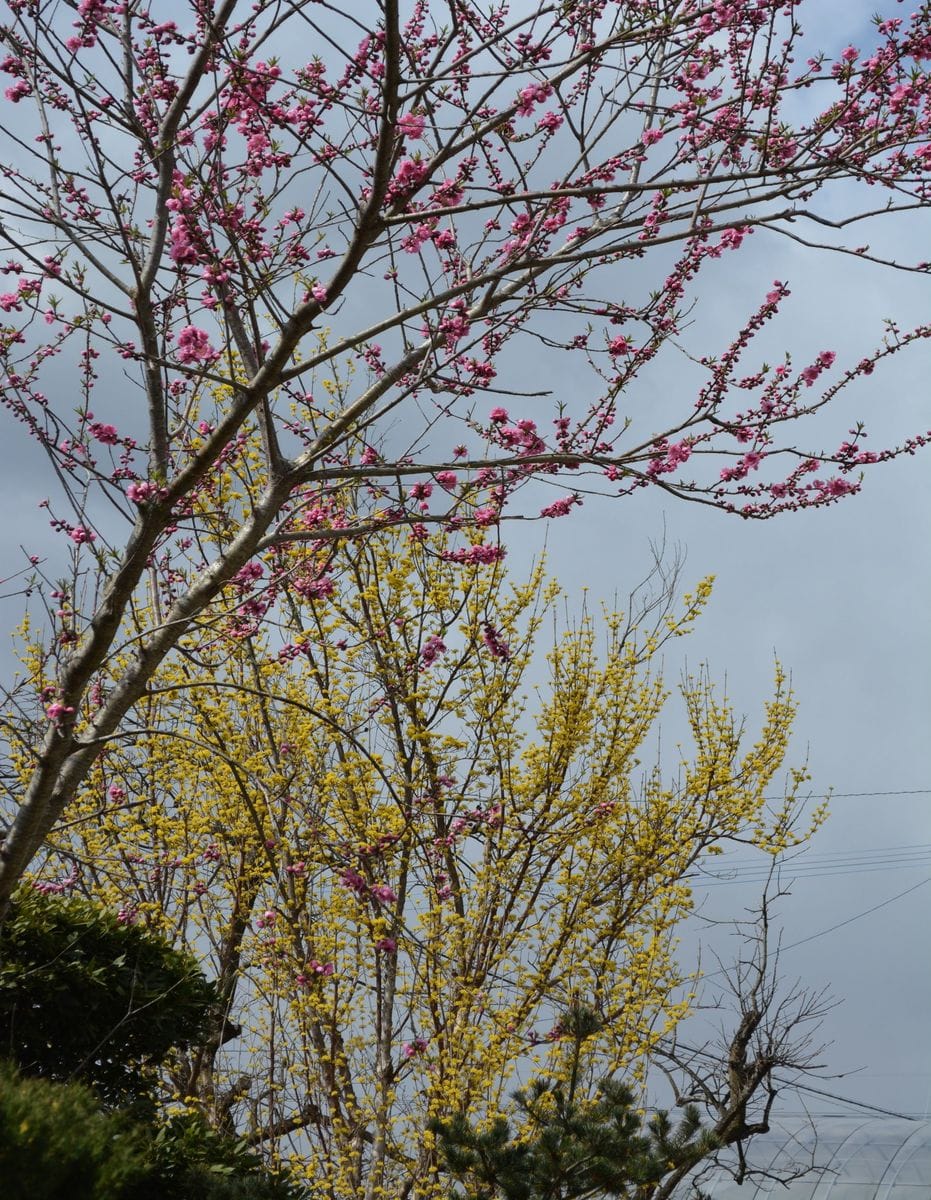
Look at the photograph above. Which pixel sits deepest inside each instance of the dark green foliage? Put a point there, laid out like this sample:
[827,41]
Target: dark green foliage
[568,1148]
[194,1160]
[84,997]
[56,1143]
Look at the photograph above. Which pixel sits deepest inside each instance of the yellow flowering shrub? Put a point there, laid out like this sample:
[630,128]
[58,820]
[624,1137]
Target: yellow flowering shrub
[405,841]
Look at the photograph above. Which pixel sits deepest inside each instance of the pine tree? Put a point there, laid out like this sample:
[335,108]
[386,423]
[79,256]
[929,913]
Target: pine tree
[567,1145]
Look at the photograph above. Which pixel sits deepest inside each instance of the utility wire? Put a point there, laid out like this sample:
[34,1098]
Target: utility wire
[804,863]
[857,795]
[807,1087]
[850,920]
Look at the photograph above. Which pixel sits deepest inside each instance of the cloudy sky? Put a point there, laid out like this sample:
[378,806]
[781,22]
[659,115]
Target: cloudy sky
[841,596]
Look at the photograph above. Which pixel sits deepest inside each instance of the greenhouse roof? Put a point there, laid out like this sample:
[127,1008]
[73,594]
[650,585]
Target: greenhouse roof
[831,1158]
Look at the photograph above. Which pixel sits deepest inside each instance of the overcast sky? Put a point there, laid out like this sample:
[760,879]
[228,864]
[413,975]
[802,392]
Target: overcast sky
[842,597]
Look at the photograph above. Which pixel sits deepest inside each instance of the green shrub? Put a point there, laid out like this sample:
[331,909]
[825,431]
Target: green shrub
[84,997]
[56,1143]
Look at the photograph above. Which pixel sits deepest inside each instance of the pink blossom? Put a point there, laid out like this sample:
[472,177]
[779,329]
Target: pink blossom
[417,238]
[387,945]
[433,647]
[411,173]
[561,507]
[139,493]
[834,487]
[550,121]
[417,1046]
[317,588]
[619,345]
[530,96]
[494,642]
[447,479]
[498,415]
[248,574]
[79,535]
[18,91]
[104,433]
[480,553]
[57,712]
[411,125]
[351,879]
[679,452]
[315,967]
[383,893]
[194,346]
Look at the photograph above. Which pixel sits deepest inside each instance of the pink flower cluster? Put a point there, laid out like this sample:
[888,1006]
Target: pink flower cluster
[106,434]
[669,457]
[313,969]
[316,589]
[749,462]
[249,574]
[380,892]
[58,712]
[479,553]
[422,493]
[141,493]
[824,360]
[410,174]
[532,95]
[411,126]
[431,650]
[561,507]
[194,346]
[494,642]
[63,885]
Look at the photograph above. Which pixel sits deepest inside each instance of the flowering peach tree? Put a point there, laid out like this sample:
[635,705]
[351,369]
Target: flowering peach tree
[338,245]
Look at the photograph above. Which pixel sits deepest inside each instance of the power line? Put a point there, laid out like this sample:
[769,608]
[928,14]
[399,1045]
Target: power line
[886,1112]
[755,877]
[807,1087]
[859,795]
[866,912]
[804,863]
